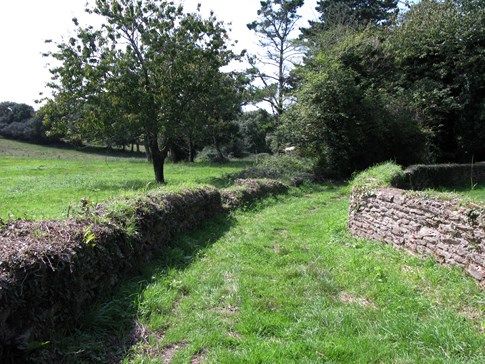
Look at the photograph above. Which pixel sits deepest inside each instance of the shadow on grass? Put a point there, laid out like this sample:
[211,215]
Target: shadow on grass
[110,327]
[104,152]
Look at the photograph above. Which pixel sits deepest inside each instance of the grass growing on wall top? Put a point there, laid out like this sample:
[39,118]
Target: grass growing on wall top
[384,175]
[379,176]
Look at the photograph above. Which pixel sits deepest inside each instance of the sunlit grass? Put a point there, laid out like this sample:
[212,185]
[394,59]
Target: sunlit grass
[38,182]
[285,282]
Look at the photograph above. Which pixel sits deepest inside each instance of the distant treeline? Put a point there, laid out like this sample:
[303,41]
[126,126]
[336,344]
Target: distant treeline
[19,121]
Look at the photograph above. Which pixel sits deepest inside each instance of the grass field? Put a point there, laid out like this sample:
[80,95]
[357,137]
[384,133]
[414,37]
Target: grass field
[38,182]
[284,282]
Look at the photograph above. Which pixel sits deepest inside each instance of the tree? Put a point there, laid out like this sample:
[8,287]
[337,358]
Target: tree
[439,54]
[138,70]
[410,93]
[11,112]
[277,19]
[344,126]
[254,127]
[352,13]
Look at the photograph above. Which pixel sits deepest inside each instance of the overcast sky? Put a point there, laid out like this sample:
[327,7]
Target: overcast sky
[26,24]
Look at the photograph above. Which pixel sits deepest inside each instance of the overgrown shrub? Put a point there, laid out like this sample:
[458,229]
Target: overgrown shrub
[412,93]
[438,53]
[31,130]
[346,127]
[11,112]
[18,121]
[254,128]
[289,168]
[210,155]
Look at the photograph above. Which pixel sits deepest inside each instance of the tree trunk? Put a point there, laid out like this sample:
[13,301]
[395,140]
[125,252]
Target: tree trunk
[137,147]
[158,167]
[158,159]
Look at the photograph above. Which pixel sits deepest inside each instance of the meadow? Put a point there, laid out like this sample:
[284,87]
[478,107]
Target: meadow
[41,182]
[284,282]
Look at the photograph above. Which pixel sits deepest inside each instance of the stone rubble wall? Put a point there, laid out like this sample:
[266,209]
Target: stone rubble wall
[451,232]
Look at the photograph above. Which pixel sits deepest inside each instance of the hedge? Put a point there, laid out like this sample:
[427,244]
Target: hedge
[421,177]
[50,272]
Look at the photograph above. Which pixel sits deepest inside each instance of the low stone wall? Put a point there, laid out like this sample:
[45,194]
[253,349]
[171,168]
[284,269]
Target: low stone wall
[452,232]
[51,271]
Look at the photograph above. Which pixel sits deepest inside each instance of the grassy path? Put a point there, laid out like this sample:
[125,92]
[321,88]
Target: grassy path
[284,282]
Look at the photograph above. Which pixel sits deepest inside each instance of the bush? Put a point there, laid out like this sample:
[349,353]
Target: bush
[11,112]
[30,130]
[412,93]
[438,55]
[254,128]
[345,126]
[283,167]
[421,177]
[18,121]
[210,155]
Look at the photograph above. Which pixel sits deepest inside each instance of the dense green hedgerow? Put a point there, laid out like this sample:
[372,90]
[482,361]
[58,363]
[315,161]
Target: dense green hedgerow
[421,177]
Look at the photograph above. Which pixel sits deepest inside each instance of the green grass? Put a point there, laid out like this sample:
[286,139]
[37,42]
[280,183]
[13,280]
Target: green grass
[285,282]
[465,196]
[38,182]
[476,194]
[378,176]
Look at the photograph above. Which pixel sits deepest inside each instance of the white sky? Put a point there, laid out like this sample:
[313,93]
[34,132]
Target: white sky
[26,24]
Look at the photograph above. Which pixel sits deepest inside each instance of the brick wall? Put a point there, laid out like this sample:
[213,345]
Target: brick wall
[452,232]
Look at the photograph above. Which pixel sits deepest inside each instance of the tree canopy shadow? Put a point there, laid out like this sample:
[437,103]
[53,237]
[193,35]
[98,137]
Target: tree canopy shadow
[110,328]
